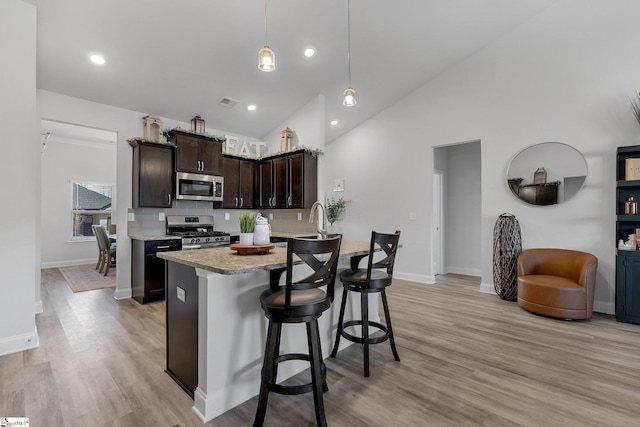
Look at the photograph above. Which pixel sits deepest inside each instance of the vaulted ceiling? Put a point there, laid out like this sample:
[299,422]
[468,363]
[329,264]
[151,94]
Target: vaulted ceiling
[177,59]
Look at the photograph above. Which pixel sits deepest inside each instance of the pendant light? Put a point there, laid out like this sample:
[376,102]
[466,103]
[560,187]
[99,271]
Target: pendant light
[266,57]
[349,94]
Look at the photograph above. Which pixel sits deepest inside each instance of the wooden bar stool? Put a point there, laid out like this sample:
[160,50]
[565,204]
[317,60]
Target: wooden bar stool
[374,279]
[299,302]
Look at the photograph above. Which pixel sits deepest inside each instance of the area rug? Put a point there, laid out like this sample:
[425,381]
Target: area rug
[86,278]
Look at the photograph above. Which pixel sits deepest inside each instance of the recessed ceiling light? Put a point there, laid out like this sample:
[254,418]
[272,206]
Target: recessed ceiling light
[334,122]
[97,59]
[251,107]
[309,52]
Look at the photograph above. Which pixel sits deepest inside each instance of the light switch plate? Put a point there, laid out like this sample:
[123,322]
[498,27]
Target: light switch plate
[299,216]
[182,295]
[131,216]
[412,216]
[161,216]
[270,216]
[227,217]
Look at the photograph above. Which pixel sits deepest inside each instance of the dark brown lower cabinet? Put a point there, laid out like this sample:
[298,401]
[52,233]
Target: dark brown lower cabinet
[147,270]
[182,325]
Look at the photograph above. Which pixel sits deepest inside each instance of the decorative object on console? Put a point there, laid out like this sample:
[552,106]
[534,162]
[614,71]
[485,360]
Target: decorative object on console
[197,125]
[635,105]
[507,245]
[152,128]
[286,140]
[540,176]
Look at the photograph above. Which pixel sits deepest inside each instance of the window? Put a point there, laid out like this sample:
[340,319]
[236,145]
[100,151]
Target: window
[90,204]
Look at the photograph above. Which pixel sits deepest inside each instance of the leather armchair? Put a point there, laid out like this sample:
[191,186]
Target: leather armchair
[557,282]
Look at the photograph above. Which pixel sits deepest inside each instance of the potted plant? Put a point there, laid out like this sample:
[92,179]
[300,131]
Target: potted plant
[335,208]
[247,226]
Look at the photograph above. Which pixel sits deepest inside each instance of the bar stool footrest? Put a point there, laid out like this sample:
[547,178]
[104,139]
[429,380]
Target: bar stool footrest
[360,340]
[299,388]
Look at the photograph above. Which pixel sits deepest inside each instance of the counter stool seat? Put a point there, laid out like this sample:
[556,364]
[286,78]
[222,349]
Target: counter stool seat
[374,279]
[299,302]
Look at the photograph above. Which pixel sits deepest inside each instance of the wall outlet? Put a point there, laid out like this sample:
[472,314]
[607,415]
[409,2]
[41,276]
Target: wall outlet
[161,216]
[299,216]
[270,216]
[182,295]
[131,216]
[227,217]
[412,216]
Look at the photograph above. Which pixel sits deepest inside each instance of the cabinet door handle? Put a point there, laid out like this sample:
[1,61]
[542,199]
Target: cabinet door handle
[289,201]
[236,202]
[202,166]
[169,198]
[163,247]
[241,201]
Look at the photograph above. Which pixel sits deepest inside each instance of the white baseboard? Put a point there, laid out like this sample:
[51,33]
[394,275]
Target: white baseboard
[487,288]
[119,294]
[604,307]
[420,278]
[465,271]
[56,264]
[18,343]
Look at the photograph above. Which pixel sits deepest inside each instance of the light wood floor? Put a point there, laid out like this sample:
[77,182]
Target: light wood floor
[467,359]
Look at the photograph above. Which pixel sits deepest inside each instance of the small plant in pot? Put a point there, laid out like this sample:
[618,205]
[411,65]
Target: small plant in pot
[247,226]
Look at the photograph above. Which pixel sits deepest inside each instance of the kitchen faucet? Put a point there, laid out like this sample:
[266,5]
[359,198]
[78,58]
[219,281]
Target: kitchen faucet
[322,219]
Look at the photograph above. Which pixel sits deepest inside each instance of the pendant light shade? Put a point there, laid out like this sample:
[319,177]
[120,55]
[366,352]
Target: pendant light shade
[349,94]
[266,59]
[349,97]
[266,56]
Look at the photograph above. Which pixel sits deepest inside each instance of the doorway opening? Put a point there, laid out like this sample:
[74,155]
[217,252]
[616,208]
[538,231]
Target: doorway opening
[457,200]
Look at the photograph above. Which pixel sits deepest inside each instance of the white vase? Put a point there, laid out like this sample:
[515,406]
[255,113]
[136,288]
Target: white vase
[246,239]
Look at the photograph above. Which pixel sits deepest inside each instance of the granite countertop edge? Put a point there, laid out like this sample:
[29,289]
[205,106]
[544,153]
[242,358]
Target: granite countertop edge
[224,261]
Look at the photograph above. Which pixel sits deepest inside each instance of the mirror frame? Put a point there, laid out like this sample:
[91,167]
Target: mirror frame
[545,192]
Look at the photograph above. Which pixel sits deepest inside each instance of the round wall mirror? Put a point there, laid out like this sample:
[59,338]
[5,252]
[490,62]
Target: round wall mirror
[547,173]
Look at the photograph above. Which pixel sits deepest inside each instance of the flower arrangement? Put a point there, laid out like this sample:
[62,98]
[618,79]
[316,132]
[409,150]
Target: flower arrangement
[247,221]
[335,209]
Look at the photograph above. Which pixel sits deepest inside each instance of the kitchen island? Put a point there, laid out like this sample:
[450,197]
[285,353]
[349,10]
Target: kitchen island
[216,292]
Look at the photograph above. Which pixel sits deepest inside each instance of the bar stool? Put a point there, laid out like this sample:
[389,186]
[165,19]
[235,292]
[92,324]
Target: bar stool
[299,302]
[374,279]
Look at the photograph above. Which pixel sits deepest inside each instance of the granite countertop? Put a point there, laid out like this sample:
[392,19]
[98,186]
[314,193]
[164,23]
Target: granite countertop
[225,261]
[149,237]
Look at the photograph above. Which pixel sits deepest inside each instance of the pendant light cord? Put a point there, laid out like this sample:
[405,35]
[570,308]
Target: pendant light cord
[265,23]
[348,39]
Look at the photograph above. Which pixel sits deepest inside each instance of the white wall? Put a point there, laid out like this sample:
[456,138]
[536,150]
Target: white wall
[20,177]
[566,75]
[64,163]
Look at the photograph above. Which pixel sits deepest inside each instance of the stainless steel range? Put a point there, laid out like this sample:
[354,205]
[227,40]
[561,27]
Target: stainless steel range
[196,231]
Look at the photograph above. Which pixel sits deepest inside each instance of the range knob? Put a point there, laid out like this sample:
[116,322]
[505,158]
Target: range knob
[193,240]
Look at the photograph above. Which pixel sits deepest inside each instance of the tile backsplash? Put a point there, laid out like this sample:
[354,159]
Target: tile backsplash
[147,221]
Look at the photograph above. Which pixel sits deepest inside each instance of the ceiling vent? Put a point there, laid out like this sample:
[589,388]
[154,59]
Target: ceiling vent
[228,102]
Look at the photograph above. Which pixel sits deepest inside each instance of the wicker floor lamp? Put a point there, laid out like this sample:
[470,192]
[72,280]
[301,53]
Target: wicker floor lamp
[507,245]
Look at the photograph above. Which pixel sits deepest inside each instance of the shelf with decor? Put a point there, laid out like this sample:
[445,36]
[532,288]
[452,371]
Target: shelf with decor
[627,223]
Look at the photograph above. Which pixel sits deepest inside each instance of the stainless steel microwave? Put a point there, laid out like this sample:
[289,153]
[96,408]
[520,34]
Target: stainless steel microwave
[193,186]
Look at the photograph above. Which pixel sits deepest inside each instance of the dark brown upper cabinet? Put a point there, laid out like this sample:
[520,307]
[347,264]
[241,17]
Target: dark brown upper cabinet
[197,153]
[289,181]
[240,183]
[152,175]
